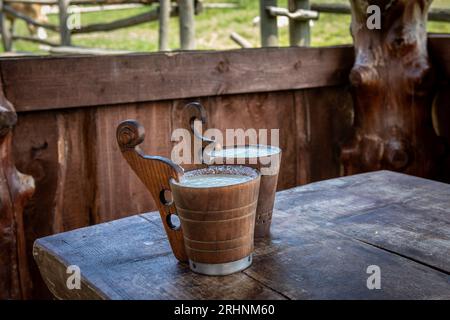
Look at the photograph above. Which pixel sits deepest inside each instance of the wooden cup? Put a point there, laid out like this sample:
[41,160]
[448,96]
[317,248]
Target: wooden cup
[218,222]
[269,166]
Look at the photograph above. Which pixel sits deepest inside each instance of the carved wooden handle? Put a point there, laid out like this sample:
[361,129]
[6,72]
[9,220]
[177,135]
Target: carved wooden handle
[203,118]
[155,172]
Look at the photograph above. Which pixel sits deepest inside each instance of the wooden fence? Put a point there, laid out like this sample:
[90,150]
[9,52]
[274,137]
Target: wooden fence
[185,9]
[299,13]
[65,135]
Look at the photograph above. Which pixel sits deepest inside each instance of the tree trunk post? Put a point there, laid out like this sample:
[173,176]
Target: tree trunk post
[268,24]
[6,31]
[299,31]
[64,30]
[164,20]
[187,24]
[393,89]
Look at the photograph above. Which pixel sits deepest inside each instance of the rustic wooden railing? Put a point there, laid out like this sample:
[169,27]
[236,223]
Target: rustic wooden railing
[68,109]
[299,13]
[185,9]
[435,14]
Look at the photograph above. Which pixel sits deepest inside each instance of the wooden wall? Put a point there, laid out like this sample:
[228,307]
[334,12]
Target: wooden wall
[69,109]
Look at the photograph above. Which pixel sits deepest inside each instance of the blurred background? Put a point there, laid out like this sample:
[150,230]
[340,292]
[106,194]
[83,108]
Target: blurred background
[213,25]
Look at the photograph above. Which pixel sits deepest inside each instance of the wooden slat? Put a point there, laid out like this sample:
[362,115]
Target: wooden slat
[439,46]
[324,122]
[119,192]
[140,252]
[54,82]
[125,22]
[311,253]
[49,83]
[64,82]
[54,149]
[396,212]
[81,50]
[306,261]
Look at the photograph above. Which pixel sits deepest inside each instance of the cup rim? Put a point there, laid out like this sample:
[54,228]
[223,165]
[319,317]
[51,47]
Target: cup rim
[220,169]
[278,151]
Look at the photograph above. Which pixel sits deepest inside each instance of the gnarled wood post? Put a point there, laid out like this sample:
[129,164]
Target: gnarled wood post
[15,190]
[392,81]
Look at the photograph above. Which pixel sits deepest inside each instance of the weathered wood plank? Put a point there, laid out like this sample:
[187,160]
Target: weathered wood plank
[309,255]
[307,261]
[324,121]
[46,83]
[115,182]
[397,212]
[56,152]
[30,85]
[391,226]
[54,149]
[158,275]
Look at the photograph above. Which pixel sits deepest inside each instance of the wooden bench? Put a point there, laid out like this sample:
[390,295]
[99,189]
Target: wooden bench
[325,235]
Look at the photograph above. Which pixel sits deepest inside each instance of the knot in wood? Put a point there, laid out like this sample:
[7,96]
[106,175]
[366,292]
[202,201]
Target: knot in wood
[397,154]
[363,75]
[130,134]
[223,66]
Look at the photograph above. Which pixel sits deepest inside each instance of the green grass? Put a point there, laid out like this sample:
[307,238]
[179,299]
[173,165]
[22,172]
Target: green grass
[213,27]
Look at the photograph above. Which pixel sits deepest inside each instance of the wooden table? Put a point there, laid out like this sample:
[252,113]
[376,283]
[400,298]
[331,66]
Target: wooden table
[324,237]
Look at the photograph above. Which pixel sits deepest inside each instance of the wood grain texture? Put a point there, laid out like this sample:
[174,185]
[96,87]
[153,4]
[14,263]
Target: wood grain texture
[397,212]
[149,244]
[324,118]
[15,191]
[81,178]
[73,157]
[227,234]
[55,150]
[393,81]
[323,239]
[116,183]
[156,174]
[48,82]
